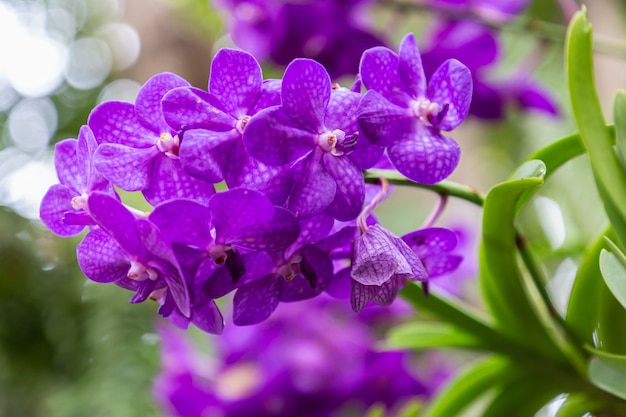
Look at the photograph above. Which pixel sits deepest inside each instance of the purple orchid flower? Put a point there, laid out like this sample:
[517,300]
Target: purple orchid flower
[381,263]
[301,271]
[403,113]
[64,207]
[139,151]
[477,47]
[131,253]
[315,129]
[212,124]
[204,238]
[332,32]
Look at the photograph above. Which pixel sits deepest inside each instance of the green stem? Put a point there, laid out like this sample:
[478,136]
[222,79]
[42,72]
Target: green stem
[446,188]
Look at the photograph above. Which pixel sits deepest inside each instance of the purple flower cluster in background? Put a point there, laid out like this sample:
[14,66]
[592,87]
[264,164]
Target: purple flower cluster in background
[310,359]
[332,32]
[294,221]
[479,48]
[336,33]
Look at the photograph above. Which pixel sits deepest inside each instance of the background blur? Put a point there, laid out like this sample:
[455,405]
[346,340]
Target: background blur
[72,348]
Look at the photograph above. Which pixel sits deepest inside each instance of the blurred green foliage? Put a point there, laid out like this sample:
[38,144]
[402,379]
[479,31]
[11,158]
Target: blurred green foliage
[67,348]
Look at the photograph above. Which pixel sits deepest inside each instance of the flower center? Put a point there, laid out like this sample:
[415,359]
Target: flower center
[80,202]
[139,272]
[241,124]
[337,142]
[425,110]
[288,270]
[169,145]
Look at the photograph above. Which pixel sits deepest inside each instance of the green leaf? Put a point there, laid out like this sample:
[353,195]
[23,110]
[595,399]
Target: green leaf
[501,280]
[425,335]
[619,115]
[582,308]
[522,397]
[578,404]
[597,139]
[456,314]
[593,311]
[607,377]
[616,361]
[471,384]
[614,274]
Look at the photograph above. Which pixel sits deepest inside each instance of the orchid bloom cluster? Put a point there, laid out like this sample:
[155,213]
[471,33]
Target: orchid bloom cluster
[336,32]
[296,364]
[294,221]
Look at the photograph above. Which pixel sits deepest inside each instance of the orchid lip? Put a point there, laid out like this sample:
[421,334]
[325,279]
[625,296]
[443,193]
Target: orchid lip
[241,123]
[139,272]
[169,145]
[425,110]
[80,202]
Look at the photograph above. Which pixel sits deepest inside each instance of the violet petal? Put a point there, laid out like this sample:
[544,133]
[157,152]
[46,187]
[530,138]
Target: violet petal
[246,172]
[237,209]
[361,295]
[208,318]
[381,121]
[56,202]
[314,188]
[170,181]
[116,220]
[451,86]
[188,108]
[183,221]
[387,293]
[425,155]
[101,258]
[235,80]
[305,93]
[379,71]
[67,165]
[199,153]
[273,236]
[128,168]
[274,138]
[350,192]
[256,301]
[148,102]
[117,122]
[410,67]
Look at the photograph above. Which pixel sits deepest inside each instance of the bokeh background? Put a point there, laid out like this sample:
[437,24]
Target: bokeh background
[69,347]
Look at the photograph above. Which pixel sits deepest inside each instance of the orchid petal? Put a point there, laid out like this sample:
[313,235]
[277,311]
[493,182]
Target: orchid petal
[256,301]
[451,88]
[425,156]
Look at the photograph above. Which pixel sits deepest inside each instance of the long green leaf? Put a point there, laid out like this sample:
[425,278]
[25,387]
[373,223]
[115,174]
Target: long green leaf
[501,279]
[578,404]
[454,313]
[582,308]
[592,311]
[597,139]
[522,397]
[428,335]
[471,384]
[619,115]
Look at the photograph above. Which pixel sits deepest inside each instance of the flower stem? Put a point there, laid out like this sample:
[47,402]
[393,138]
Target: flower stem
[443,188]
